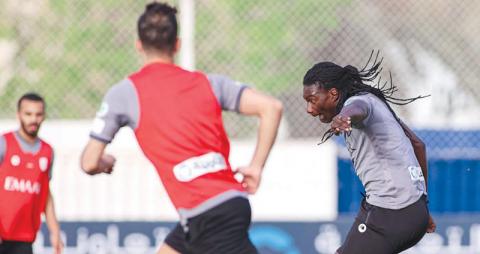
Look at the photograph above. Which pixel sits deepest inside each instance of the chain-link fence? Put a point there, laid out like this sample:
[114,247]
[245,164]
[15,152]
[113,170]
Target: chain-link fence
[73,51]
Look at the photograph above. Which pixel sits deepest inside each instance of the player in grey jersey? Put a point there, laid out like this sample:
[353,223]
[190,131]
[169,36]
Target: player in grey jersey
[388,157]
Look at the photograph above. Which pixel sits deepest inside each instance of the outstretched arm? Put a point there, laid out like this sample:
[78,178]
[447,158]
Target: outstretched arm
[53,226]
[353,113]
[269,111]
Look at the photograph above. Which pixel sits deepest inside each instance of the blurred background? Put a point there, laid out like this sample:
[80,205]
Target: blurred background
[72,52]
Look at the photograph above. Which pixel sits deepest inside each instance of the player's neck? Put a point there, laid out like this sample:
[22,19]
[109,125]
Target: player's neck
[158,59]
[27,138]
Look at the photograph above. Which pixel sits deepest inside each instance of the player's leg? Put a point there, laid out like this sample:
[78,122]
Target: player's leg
[175,242]
[14,247]
[165,249]
[3,247]
[410,225]
[367,234]
[222,229]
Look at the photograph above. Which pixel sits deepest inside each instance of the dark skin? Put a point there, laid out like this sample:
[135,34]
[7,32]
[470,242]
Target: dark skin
[322,103]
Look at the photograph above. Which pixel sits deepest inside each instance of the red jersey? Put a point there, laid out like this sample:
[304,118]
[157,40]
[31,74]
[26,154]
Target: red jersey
[24,180]
[181,132]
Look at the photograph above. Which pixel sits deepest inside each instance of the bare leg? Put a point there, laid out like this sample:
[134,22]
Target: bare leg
[165,249]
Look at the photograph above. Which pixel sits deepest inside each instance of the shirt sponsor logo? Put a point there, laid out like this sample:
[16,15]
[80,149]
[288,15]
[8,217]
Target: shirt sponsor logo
[194,167]
[416,173]
[21,185]
[43,164]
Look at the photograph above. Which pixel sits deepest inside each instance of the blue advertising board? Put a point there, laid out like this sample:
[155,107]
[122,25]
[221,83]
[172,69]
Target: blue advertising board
[453,173]
[455,234]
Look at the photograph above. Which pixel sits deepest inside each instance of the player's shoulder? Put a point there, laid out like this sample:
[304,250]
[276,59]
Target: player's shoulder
[2,138]
[362,97]
[46,144]
[198,75]
[4,134]
[216,76]
[224,81]
[125,86]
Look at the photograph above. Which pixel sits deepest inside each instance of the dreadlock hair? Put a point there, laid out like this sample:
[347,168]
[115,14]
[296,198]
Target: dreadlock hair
[350,81]
[157,27]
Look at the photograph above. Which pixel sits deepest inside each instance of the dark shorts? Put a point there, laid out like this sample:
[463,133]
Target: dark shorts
[14,247]
[378,230]
[222,229]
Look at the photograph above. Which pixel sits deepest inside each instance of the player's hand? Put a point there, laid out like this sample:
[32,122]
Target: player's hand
[431,225]
[341,124]
[252,175]
[107,162]
[57,243]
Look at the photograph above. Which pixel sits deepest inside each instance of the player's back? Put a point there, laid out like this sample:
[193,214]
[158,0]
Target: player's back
[180,130]
[178,105]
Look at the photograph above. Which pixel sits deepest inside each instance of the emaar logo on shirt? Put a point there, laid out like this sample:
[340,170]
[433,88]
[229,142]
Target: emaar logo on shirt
[21,185]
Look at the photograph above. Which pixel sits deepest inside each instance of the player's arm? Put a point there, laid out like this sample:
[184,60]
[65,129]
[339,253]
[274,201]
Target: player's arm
[94,160]
[237,97]
[352,113]
[420,151]
[269,111]
[119,108]
[53,225]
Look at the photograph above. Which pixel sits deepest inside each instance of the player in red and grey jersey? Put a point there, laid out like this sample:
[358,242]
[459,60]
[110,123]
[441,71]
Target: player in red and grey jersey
[25,171]
[177,118]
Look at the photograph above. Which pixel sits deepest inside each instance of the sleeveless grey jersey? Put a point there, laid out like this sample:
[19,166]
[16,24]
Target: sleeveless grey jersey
[383,156]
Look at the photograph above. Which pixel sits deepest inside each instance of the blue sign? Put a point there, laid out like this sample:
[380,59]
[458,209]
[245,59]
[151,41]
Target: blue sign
[459,234]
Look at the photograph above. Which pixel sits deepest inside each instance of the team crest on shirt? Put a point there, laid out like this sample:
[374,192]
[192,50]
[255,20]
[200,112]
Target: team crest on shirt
[15,160]
[103,110]
[43,164]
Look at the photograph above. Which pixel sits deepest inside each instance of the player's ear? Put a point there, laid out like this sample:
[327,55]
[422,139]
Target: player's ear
[333,93]
[178,44]
[139,46]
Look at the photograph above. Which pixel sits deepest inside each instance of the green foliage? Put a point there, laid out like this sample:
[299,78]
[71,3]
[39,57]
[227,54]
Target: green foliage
[77,50]
[262,44]
[73,51]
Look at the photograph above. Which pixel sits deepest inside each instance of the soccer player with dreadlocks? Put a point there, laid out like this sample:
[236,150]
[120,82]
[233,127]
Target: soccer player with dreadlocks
[388,157]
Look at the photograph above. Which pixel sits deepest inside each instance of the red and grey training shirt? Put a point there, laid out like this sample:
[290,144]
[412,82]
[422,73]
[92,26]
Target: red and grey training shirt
[177,118]
[24,186]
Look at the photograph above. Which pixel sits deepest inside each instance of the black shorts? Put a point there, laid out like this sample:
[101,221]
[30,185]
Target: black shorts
[15,247]
[378,230]
[222,229]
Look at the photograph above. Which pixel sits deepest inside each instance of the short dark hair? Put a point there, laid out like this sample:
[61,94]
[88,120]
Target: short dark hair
[30,97]
[157,27]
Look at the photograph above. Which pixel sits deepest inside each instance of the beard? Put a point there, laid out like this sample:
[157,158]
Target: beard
[31,133]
